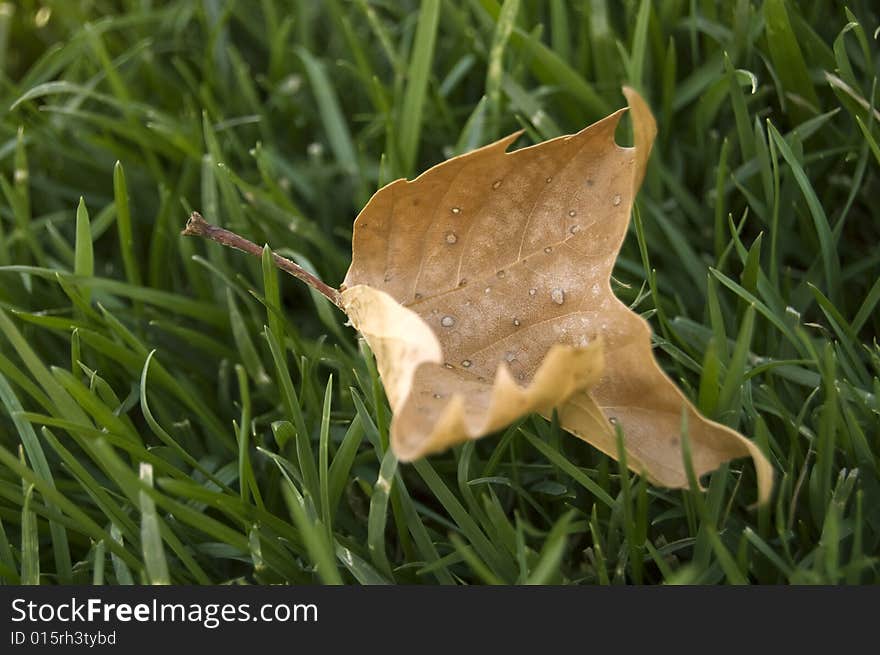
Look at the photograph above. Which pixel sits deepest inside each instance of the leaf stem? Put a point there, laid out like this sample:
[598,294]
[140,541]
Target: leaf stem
[197,226]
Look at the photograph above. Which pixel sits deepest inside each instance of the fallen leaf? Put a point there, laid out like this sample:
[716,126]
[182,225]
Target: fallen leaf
[483,288]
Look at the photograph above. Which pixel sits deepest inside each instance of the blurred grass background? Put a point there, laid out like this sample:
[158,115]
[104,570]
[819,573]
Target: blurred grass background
[170,412]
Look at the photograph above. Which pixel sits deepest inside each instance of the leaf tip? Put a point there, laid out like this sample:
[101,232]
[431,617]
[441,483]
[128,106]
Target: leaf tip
[644,132]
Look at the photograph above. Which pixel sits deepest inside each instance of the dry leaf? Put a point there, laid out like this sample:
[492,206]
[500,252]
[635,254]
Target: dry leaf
[482,287]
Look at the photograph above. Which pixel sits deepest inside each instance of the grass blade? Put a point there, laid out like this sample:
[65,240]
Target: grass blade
[418,74]
[155,564]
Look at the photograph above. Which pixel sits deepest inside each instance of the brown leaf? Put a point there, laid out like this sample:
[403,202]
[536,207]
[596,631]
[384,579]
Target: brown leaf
[483,288]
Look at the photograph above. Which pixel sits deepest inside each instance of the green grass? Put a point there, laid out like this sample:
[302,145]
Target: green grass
[174,412]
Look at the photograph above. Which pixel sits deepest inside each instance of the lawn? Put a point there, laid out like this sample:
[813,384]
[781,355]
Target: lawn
[175,412]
